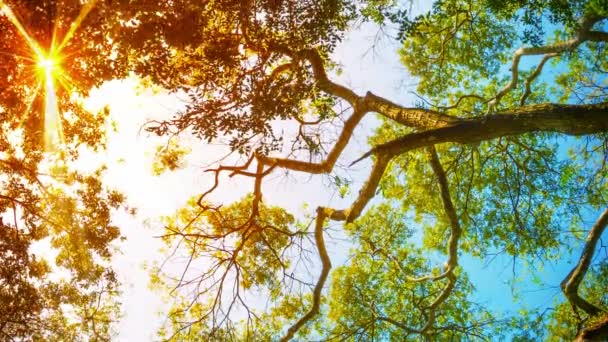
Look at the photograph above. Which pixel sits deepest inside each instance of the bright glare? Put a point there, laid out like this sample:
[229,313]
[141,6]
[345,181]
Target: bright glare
[53,130]
[50,72]
[46,64]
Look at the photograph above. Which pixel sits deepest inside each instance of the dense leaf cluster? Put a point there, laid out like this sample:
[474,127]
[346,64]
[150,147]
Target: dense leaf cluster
[479,167]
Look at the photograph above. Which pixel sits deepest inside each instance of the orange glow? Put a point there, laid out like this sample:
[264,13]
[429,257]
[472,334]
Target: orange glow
[15,21]
[49,66]
[84,11]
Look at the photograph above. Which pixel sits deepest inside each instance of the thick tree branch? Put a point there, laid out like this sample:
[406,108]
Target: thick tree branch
[595,332]
[566,119]
[410,117]
[571,283]
[368,190]
[448,206]
[596,36]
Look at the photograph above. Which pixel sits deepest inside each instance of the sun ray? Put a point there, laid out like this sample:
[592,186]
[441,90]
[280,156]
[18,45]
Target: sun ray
[84,11]
[67,83]
[30,104]
[49,72]
[29,59]
[22,31]
[53,129]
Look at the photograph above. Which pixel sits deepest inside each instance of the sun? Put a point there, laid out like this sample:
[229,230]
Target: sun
[49,71]
[47,64]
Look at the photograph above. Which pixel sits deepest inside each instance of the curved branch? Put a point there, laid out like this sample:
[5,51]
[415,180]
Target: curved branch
[326,165]
[572,281]
[322,214]
[448,207]
[447,290]
[455,233]
[365,194]
[411,117]
[368,190]
[398,325]
[235,170]
[533,76]
[583,34]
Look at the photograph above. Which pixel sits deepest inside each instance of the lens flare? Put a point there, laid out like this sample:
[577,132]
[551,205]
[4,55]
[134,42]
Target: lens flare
[49,71]
[84,11]
[46,64]
[8,12]
[53,129]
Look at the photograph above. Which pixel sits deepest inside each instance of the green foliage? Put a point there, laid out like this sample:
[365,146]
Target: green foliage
[249,254]
[375,283]
[460,47]
[192,45]
[246,65]
[56,232]
[168,158]
[70,296]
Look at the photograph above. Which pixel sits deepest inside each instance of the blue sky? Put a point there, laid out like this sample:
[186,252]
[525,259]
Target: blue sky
[376,70]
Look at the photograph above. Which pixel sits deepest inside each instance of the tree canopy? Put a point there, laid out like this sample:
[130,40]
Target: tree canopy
[46,203]
[503,153]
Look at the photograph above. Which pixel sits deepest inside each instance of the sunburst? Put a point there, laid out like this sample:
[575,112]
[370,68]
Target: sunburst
[53,129]
[50,71]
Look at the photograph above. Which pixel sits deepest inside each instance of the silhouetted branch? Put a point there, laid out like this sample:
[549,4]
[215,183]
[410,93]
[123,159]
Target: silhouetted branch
[573,280]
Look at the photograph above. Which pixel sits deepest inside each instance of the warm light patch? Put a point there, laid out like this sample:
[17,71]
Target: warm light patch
[49,71]
[8,12]
[53,129]
[46,64]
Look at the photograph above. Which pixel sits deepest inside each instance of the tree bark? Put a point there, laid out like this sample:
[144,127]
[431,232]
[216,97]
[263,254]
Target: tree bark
[566,119]
[595,332]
